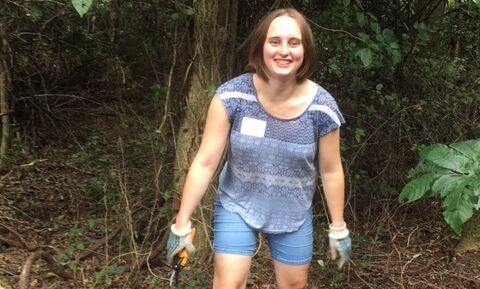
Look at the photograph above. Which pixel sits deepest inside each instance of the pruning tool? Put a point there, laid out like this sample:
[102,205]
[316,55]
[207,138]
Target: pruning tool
[180,261]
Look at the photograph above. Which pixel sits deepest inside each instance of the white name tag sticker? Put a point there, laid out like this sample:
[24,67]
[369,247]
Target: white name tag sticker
[253,127]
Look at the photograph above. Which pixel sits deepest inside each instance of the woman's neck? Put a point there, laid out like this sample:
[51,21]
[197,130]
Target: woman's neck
[276,89]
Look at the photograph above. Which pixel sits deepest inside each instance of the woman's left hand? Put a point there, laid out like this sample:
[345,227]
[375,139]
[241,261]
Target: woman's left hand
[340,245]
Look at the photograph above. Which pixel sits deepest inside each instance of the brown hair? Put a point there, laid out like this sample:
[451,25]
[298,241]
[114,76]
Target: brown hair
[259,35]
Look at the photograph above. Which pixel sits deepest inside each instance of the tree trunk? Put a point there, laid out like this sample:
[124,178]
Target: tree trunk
[470,241]
[430,11]
[209,48]
[4,107]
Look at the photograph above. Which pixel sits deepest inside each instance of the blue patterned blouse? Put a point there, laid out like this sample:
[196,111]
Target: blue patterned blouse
[270,174]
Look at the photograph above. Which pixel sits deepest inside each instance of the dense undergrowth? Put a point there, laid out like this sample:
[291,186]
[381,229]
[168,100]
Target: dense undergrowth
[88,177]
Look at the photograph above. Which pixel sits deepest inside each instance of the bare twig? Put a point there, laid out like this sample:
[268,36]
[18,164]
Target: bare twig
[99,243]
[19,237]
[158,248]
[361,279]
[32,163]
[405,266]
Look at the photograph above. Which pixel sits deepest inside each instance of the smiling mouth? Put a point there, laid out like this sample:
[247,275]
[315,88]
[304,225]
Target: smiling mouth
[283,62]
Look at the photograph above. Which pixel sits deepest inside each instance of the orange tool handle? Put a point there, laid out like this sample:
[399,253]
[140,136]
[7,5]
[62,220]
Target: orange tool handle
[183,255]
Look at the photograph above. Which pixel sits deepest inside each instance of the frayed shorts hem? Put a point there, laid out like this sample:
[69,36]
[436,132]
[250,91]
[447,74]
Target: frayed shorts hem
[232,252]
[288,262]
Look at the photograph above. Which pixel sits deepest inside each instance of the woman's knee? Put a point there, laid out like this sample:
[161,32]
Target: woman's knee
[231,271]
[291,276]
[221,282]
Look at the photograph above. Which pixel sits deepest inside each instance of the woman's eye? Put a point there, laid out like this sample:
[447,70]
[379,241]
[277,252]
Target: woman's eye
[295,43]
[274,42]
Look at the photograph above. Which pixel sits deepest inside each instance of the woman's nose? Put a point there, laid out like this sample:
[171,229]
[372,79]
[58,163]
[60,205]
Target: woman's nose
[283,49]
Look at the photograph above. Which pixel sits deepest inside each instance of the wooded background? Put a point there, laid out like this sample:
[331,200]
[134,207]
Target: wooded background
[102,111]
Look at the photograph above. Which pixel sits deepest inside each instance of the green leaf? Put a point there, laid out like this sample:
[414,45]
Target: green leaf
[82,6]
[359,134]
[366,55]
[158,92]
[394,45]
[417,188]
[461,212]
[421,167]
[425,166]
[389,36]
[470,148]
[396,56]
[364,37]
[476,204]
[475,186]
[445,157]
[380,38]
[451,184]
[80,246]
[346,3]
[211,90]
[174,16]
[375,27]
[35,12]
[189,11]
[360,19]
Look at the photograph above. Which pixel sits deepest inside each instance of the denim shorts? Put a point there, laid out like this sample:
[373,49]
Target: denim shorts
[231,235]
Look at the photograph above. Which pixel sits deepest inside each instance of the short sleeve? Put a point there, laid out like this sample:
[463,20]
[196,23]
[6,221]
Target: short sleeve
[228,102]
[327,114]
[235,92]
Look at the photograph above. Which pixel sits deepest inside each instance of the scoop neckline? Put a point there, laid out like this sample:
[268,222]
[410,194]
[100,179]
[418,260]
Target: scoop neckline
[276,117]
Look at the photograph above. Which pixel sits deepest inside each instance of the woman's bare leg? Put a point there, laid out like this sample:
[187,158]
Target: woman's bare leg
[291,276]
[231,271]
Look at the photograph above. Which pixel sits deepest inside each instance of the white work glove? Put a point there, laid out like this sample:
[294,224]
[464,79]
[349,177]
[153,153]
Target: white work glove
[178,240]
[340,244]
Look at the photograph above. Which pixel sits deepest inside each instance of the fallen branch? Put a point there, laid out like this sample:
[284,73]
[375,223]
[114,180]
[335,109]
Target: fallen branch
[24,280]
[55,267]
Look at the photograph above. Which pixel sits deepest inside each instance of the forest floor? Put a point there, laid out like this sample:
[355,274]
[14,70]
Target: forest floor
[58,202]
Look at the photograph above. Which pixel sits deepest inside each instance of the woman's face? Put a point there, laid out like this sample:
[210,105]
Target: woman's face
[283,49]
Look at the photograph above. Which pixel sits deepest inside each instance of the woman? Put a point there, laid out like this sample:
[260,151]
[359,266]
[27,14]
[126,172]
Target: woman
[283,130]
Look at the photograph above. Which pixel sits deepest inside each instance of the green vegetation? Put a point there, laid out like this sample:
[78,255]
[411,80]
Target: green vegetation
[95,106]
[452,173]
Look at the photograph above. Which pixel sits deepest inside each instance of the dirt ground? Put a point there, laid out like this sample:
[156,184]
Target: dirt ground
[43,206]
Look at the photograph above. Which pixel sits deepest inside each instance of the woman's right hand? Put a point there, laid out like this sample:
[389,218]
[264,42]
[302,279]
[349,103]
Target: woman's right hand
[178,239]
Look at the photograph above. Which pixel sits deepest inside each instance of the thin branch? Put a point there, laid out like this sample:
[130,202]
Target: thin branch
[99,243]
[333,30]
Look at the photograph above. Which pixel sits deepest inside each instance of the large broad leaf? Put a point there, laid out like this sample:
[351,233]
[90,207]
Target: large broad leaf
[470,148]
[445,157]
[451,184]
[417,188]
[455,218]
[424,167]
[475,186]
[82,6]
